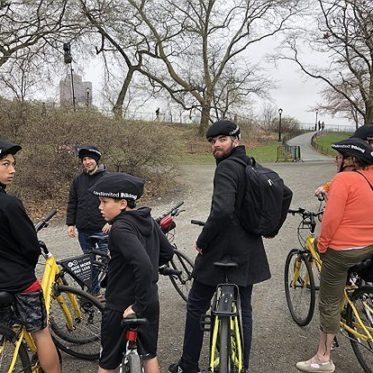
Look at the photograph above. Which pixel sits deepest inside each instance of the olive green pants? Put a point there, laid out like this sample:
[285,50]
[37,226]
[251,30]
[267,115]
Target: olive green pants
[335,265]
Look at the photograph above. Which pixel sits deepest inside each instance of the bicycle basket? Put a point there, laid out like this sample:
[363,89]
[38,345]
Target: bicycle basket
[80,269]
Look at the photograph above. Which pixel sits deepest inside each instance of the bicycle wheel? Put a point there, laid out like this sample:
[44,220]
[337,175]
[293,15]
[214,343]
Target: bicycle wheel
[362,299]
[224,340]
[299,287]
[7,346]
[82,338]
[133,364]
[183,282]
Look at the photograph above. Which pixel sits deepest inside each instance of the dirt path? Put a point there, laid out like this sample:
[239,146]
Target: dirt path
[277,342]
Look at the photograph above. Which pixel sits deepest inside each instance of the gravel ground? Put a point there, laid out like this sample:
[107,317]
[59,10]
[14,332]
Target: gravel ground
[277,342]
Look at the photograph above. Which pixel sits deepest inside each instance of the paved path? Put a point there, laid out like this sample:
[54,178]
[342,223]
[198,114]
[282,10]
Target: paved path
[307,152]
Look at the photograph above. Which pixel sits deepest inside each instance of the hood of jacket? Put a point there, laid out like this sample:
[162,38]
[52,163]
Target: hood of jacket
[140,219]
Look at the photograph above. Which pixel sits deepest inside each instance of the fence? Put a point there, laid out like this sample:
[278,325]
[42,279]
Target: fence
[286,153]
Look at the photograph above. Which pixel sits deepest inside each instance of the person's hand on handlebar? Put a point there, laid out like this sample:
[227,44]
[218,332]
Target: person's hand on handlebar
[320,191]
[71,231]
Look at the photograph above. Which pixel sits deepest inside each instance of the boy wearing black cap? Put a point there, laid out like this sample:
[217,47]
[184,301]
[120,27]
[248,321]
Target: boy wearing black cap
[19,253]
[137,248]
[82,208]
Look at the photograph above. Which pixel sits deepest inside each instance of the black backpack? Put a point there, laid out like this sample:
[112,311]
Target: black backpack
[265,202]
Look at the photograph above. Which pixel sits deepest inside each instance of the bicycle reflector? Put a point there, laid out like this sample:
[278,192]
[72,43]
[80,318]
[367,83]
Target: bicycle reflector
[131,335]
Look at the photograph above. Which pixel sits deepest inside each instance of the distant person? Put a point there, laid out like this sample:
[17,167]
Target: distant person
[82,208]
[322,126]
[19,253]
[137,247]
[157,112]
[319,125]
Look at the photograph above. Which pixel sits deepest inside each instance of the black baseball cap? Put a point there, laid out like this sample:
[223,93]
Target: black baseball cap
[364,132]
[119,185]
[223,128]
[89,151]
[8,148]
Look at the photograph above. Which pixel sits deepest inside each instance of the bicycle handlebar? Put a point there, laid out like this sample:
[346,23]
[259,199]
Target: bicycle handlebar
[197,222]
[167,271]
[45,221]
[304,213]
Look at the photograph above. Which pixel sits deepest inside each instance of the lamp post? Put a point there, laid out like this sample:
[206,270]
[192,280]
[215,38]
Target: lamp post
[279,124]
[88,91]
[317,113]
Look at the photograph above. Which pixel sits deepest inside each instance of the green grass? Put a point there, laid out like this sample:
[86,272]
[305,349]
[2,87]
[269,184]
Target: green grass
[265,153]
[324,141]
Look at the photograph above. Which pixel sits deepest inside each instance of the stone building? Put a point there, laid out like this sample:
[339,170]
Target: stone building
[82,92]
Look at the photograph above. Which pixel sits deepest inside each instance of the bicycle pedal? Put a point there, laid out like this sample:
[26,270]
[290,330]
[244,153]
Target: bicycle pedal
[205,323]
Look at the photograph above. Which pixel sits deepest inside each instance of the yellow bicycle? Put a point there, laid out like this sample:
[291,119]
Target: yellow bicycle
[302,273]
[74,320]
[225,326]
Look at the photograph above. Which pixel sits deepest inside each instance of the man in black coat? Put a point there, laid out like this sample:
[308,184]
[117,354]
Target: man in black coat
[82,208]
[223,239]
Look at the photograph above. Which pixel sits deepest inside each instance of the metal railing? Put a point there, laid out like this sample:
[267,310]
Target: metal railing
[288,153]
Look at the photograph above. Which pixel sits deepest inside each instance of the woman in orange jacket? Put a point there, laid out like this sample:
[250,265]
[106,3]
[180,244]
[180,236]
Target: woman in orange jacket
[346,238]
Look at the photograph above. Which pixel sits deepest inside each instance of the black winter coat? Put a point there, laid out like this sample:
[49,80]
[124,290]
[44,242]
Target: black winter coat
[82,207]
[222,237]
[137,248]
[19,245]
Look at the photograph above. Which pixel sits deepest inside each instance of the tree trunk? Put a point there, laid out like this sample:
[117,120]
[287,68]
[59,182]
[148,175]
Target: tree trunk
[118,106]
[205,117]
[369,114]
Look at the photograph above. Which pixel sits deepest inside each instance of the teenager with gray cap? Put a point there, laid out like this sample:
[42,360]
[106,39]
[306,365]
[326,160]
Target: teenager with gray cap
[19,253]
[82,207]
[223,239]
[137,248]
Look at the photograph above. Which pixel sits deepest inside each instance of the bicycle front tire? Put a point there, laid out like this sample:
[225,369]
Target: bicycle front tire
[83,340]
[224,345]
[7,346]
[300,287]
[362,299]
[183,282]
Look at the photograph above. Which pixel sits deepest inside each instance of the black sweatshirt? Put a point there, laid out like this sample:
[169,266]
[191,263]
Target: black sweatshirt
[137,248]
[82,207]
[19,245]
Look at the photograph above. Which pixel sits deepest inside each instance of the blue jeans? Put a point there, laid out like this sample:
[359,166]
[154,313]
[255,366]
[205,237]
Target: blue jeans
[86,245]
[199,300]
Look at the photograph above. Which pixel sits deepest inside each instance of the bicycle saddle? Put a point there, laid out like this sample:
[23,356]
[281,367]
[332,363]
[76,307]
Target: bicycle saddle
[99,238]
[226,264]
[6,299]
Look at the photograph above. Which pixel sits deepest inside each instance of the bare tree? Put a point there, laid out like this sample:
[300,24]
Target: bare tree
[25,23]
[193,42]
[343,42]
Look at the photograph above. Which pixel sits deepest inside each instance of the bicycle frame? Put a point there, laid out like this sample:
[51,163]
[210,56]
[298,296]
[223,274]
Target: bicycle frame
[225,306]
[51,276]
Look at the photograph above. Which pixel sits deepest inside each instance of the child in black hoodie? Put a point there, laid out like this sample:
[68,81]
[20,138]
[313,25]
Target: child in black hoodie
[19,253]
[137,247]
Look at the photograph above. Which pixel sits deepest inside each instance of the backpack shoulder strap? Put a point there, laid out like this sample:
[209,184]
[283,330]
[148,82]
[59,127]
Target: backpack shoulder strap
[360,173]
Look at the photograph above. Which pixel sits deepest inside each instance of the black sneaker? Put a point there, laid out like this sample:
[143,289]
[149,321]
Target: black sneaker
[177,368]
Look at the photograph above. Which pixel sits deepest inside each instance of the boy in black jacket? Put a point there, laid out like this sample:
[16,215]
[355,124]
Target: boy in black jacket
[19,253]
[137,247]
